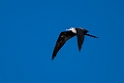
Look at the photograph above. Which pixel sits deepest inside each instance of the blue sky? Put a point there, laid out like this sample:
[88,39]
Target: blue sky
[29,30]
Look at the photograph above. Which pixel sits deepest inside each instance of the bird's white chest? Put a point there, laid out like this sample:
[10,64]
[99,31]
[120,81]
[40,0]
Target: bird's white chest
[73,30]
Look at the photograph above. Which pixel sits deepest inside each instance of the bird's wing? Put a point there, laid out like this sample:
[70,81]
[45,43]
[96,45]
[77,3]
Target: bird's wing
[80,38]
[63,37]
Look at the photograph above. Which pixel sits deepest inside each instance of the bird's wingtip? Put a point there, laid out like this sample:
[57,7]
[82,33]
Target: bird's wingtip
[79,49]
[52,58]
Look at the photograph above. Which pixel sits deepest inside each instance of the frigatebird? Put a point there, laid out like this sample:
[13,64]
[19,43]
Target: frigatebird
[68,34]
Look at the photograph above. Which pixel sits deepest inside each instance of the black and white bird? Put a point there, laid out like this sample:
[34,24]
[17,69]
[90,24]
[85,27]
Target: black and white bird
[69,33]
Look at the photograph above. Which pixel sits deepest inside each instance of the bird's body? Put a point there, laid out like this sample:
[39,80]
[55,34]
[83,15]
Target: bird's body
[66,35]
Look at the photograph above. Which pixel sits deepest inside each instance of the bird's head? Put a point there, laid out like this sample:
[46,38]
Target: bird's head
[72,29]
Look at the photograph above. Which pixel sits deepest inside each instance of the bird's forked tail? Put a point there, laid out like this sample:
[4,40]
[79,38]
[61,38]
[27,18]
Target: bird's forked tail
[92,36]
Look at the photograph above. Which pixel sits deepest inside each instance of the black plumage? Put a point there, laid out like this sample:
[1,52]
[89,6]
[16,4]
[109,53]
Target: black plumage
[63,37]
[66,35]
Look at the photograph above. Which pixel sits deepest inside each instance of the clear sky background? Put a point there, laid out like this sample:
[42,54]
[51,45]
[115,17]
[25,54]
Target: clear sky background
[29,30]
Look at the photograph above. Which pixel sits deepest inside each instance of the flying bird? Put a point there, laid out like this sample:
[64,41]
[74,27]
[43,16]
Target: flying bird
[68,34]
